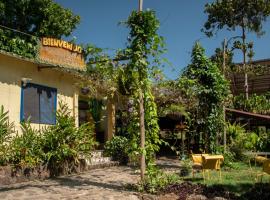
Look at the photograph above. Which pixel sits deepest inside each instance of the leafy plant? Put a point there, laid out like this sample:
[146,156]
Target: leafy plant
[39,18]
[204,82]
[22,45]
[64,143]
[6,132]
[25,148]
[156,180]
[255,103]
[117,148]
[143,50]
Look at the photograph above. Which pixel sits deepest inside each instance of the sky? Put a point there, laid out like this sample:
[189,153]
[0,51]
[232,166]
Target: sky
[181,23]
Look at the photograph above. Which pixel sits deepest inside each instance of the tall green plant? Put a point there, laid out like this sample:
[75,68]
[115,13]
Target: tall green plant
[143,43]
[205,82]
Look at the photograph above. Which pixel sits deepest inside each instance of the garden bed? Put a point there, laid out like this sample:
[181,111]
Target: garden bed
[17,174]
[189,191]
[11,174]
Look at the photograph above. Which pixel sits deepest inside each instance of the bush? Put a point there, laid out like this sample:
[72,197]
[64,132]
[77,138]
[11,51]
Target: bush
[59,146]
[25,149]
[156,180]
[64,143]
[117,149]
[6,131]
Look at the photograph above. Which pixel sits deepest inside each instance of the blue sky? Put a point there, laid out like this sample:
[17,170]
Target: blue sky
[181,22]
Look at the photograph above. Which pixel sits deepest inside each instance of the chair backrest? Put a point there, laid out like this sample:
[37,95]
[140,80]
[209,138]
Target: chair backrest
[197,158]
[260,159]
[210,163]
[266,166]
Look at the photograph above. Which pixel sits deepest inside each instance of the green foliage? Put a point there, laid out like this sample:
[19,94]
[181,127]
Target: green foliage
[25,148]
[22,45]
[64,143]
[263,141]
[143,51]
[38,17]
[249,14]
[218,59]
[117,148]
[204,82]
[59,146]
[255,103]
[6,131]
[156,180]
[96,107]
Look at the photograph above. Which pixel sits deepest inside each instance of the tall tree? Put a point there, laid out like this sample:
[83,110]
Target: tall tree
[38,17]
[248,15]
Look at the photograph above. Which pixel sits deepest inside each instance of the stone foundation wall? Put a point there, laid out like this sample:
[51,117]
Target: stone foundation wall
[11,175]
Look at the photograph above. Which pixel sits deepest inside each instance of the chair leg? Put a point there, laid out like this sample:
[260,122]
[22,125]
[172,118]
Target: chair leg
[208,172]
[203,176]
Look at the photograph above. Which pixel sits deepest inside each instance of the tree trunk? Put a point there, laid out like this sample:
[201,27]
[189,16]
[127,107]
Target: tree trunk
[244,60]
[142,133]
[142,127]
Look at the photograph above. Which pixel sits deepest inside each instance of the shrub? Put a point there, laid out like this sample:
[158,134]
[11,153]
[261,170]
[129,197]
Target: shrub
[117,149]
[6,131]
[64,143]
[25,148]
[156,180]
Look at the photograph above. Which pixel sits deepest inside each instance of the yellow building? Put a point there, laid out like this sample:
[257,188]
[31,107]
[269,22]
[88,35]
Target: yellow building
[29,90]
[32,88]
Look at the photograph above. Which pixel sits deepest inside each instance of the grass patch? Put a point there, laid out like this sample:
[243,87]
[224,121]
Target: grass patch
[237,180]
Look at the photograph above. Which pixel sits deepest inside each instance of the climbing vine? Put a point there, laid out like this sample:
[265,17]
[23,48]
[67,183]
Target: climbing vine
[205,82]
[144,49]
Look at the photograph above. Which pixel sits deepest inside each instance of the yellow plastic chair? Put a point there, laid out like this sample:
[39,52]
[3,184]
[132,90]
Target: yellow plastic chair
[212,163]
[265,170]
[197,162]
[260,159]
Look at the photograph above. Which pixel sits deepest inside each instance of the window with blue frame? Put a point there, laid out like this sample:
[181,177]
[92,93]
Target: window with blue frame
[38,104]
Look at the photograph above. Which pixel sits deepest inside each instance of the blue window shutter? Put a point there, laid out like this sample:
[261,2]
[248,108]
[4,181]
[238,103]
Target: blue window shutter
[38,104]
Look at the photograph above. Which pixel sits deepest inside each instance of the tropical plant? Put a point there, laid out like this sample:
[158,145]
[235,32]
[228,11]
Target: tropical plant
[6,132]
[64,143]
[25,148]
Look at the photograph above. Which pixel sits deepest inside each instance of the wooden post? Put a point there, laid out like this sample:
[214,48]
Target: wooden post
[142,126]
[110,119]
[140,5]
[224,110]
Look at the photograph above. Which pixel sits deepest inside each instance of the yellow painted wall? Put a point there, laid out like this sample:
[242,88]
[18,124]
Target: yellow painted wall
[12,70]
